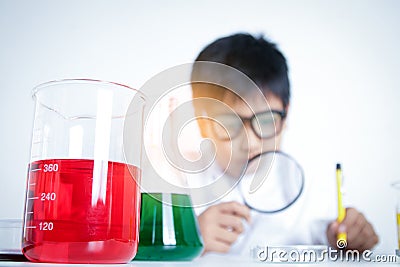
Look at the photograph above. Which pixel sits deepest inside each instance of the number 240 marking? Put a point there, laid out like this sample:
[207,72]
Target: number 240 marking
[48,196]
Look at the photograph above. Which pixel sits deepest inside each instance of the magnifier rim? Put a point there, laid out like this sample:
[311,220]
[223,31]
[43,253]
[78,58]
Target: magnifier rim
[301,188]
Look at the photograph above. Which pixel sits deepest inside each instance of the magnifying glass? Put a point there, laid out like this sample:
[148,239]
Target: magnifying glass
[273,181]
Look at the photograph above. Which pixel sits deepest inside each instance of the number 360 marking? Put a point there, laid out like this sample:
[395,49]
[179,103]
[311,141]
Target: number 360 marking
[50,167]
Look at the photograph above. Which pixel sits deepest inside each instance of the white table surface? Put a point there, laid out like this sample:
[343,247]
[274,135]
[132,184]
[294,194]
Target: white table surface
[209,260]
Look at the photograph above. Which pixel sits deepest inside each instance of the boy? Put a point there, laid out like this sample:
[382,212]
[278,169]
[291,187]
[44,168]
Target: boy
[230,226]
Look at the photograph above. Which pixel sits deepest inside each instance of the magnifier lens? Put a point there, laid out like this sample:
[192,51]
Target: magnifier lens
[273,181]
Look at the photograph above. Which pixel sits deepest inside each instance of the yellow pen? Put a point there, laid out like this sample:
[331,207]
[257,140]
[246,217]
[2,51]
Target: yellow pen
[341,236]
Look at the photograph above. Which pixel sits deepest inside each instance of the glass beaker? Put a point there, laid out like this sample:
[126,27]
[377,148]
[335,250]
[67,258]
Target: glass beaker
[82,198]
[169,229]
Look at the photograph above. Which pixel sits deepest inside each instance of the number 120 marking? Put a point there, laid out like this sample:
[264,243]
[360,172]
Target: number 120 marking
[46,226]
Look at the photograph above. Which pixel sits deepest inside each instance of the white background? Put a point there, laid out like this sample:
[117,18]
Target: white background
[344,69]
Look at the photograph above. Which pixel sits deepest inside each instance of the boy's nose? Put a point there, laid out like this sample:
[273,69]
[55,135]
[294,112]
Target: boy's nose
[251,143]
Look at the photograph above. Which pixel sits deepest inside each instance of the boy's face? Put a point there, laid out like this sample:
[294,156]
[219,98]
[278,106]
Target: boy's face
[233,154]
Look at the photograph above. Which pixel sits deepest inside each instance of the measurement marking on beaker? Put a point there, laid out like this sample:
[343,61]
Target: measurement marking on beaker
[33,197]
[31,227]
[30,212]
[32,184]
[35,170]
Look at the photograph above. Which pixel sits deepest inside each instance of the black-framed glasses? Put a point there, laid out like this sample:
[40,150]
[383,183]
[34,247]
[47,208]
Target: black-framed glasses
[265,124]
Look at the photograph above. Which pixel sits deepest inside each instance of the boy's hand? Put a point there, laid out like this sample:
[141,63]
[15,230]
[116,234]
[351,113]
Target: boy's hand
[360,233]
[221,224]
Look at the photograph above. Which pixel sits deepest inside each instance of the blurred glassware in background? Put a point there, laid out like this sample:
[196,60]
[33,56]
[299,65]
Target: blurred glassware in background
[396,187]
[10,240]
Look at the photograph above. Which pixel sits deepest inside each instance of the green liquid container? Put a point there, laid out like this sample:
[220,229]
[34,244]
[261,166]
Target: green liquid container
[168,232]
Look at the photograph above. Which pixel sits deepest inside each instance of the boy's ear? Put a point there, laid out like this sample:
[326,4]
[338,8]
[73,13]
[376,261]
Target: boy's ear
[287,109]
[287,114]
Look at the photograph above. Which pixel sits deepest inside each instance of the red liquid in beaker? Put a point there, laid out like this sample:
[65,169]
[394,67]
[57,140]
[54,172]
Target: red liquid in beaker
[81,211]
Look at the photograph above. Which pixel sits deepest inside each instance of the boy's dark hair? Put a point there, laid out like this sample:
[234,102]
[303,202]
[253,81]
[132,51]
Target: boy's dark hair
[258,58]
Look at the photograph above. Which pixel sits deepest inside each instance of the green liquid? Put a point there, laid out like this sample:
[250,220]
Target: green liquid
[168,233]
